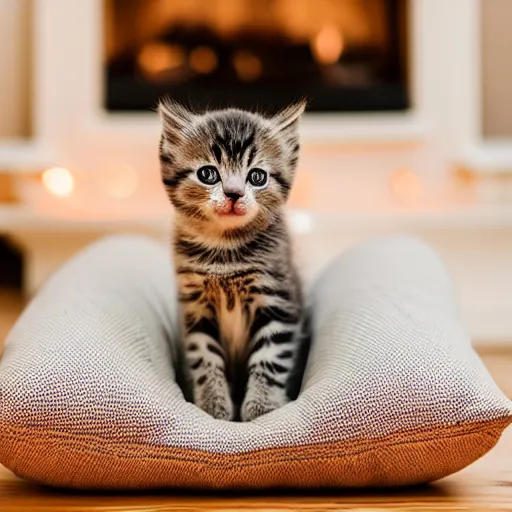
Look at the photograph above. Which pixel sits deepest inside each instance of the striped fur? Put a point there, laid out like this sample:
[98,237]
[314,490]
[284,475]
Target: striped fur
[243,315]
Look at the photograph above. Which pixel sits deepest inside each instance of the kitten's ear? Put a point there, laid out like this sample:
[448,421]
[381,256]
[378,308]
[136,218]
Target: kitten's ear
[175,117]
[288,117]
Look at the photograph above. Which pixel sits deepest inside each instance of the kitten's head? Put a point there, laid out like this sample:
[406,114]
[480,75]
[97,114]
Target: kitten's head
[228,167]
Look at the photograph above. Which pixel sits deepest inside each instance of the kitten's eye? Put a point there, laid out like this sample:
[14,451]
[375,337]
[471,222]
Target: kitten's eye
[208,175]
[257,177]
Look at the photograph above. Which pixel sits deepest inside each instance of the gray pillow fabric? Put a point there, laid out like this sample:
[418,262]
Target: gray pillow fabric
[393,393]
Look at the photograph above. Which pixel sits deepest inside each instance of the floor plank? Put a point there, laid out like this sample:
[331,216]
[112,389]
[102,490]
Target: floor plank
[484,486]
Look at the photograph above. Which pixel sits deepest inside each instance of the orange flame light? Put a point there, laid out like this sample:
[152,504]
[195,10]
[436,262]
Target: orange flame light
[247,65]
[155,58]
[327,45]
[203,60]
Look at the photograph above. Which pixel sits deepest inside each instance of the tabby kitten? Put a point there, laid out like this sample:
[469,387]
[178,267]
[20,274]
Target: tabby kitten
[228,174]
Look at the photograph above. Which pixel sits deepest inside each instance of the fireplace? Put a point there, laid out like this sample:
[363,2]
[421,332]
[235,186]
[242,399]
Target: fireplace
[343,55]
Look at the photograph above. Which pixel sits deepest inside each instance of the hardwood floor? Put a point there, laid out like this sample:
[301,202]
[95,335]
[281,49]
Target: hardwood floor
[484,486]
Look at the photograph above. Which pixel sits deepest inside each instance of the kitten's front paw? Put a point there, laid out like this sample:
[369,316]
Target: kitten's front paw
[219,406]
[252,409]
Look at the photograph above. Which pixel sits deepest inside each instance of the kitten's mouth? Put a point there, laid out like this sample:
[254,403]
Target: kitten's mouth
[231,210]
[232,213]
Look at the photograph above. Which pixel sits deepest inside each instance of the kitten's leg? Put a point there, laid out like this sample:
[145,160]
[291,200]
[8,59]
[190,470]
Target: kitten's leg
[274,350]
[206,364]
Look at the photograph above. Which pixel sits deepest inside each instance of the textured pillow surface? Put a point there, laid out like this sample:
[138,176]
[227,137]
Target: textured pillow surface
[393,392]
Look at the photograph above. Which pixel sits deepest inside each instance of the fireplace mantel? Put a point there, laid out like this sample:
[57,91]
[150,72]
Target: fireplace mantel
[71,128]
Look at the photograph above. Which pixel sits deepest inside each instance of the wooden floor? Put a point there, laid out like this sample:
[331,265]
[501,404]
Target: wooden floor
[484,486]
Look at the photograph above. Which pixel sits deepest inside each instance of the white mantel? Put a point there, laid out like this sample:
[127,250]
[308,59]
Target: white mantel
[71,128]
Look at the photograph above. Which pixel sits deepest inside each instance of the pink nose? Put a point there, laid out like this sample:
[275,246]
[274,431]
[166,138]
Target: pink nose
[234,187]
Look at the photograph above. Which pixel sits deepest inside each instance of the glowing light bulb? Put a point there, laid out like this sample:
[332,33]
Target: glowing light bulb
[58,181]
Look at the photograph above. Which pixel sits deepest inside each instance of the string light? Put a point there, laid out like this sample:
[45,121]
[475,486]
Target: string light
[301,222]
[406,185]
[58,181]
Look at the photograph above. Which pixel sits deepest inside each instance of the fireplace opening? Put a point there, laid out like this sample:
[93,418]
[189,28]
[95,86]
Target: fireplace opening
[343,55]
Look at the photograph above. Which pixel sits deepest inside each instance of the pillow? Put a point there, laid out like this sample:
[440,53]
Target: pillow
[393,392]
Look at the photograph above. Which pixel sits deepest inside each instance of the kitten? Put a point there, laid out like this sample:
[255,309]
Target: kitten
[228,174]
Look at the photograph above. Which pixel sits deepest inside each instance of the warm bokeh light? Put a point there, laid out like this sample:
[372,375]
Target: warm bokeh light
[203,60]
[406,185]
[58,181]
[120,181]
[248,66]
[327,45]
[301,222]
[155,58]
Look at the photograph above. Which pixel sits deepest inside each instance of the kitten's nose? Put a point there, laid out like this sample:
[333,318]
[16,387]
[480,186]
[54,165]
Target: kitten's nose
[233,195]
[234,187]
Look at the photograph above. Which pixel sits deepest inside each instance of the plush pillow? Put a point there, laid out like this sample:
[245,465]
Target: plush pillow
[393,392]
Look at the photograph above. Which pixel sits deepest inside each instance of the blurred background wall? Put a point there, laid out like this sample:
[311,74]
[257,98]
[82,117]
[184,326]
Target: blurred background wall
[409,128]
